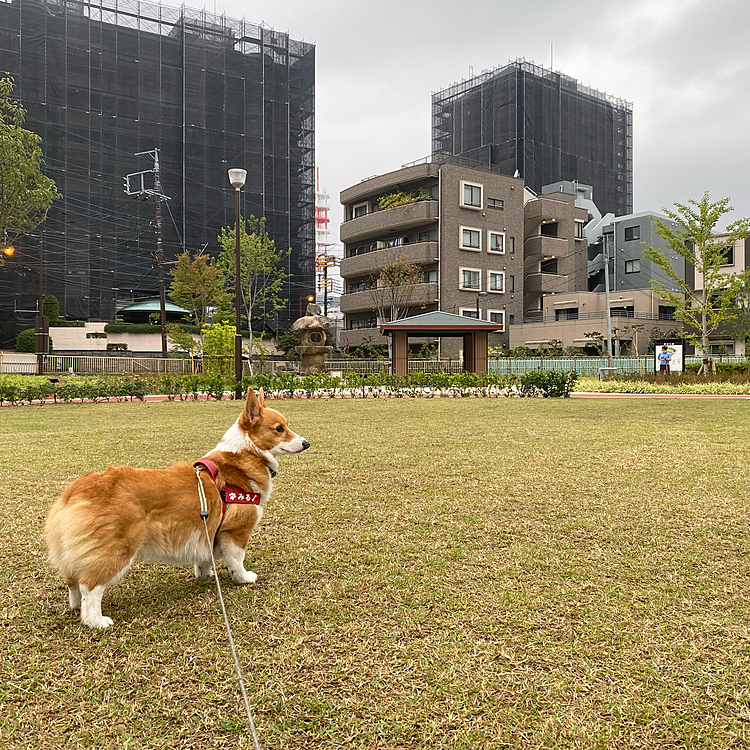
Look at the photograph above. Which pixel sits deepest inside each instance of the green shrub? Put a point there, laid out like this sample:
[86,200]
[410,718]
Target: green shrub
[51,307]
[26,341]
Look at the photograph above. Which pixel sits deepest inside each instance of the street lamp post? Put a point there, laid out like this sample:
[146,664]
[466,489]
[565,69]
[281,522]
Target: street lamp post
[237,179]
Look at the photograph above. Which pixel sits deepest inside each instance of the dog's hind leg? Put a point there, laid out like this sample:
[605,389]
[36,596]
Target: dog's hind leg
[91,600]
[203,570]
[74,595]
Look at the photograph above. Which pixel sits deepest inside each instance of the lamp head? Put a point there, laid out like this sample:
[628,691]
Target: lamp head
[237,177]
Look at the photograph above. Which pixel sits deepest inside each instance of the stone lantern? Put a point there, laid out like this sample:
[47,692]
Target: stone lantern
[314,329]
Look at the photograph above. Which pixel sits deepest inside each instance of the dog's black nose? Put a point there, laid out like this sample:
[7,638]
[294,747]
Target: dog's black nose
[305,445]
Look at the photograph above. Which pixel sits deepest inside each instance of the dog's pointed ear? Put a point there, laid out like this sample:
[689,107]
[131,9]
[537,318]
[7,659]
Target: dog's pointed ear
[252,407]
[261,399]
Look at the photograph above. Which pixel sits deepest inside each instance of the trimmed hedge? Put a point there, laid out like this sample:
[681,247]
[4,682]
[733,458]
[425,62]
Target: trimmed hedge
[59,323]
[289,385]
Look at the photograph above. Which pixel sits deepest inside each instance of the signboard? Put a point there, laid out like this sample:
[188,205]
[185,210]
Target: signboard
[669,356]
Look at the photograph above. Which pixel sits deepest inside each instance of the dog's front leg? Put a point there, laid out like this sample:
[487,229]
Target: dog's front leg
[234,557]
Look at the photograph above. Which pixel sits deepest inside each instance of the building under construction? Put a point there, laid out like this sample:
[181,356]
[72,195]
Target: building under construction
[104,80]
[542,125]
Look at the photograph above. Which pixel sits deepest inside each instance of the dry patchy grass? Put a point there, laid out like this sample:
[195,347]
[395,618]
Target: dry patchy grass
[433,574]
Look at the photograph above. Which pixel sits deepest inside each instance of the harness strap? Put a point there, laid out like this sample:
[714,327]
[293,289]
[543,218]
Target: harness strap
[230,494]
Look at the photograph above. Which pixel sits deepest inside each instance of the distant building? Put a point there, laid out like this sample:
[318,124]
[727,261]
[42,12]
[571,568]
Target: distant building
[103,81]
[543,126]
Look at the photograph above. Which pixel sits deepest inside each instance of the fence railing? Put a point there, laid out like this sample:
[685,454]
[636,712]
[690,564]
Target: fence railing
[55,364]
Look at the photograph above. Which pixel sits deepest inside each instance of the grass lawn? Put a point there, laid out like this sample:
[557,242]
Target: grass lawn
[451,573]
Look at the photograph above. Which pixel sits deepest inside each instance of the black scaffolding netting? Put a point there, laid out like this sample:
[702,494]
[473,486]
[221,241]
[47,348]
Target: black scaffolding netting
[546,125]
[103,82]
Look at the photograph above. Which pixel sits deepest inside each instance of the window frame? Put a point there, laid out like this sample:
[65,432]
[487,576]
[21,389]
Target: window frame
[491,273]
[494,205]
[637,228]
[462,194]
[355,206]
[496,312]
[633,261]
[461,245]
[461,286]
[491,232]
[472,310]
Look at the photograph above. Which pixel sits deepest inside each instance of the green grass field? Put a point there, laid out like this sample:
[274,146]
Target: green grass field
[451,573]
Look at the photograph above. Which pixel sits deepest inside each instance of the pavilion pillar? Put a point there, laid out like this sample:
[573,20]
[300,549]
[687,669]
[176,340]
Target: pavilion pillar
[399,353]
[468,352]
[480,352]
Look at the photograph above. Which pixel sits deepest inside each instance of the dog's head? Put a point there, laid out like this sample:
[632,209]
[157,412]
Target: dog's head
[264,428]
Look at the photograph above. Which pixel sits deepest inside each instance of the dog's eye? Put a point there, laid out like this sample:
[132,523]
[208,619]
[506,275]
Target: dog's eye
[280,428]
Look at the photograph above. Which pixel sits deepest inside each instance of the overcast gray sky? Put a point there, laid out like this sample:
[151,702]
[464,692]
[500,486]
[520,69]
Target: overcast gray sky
[684,64]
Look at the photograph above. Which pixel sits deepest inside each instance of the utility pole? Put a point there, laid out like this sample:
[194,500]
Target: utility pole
[606,290]
[135,184]
[41,332]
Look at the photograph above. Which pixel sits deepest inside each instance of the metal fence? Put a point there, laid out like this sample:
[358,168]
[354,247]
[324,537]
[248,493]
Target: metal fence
[85,365]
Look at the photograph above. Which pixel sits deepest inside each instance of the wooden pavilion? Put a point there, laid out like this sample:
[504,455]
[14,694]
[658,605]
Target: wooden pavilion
[438,324]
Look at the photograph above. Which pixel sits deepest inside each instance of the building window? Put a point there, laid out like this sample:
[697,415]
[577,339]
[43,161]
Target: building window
[495,203]
[471,278]
[497,242]
[720,347]
[496,281]
[727,255]
[429,277]
[511,245]
[567,313]
[511,284]
[471,239]
[469,312]
[426,237]
[632,233]
[632,266]
[666,312]
[511,320]
[497,316]
[359,210]
[579,229]
[471,195]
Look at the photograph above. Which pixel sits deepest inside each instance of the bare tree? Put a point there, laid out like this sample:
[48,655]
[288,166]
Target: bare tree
[394,292]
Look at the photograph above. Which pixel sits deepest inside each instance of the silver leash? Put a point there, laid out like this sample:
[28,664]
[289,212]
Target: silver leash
[237,669]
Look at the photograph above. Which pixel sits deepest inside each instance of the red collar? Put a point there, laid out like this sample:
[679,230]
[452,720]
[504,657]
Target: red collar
[229,494]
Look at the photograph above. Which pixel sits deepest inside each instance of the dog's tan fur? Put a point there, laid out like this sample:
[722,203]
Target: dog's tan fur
[102,522]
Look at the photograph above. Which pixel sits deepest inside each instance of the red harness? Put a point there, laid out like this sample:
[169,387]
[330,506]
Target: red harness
[230,494]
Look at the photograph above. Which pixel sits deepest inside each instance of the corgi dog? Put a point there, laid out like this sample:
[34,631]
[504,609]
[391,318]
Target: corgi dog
[102,522]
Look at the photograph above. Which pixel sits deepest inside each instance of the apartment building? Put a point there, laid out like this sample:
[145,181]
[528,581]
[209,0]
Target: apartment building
[487,247]
[728,339]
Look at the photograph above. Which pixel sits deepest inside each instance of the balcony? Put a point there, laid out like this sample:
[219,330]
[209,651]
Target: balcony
[418,253]
[545,283]
[358,336]
[421,294]
[543,208]
[393,180]
[391,220]
[540,246]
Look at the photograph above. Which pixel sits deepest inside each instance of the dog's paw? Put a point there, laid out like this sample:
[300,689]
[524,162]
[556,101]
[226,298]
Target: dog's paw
[204,571]
[97,623]
[242,577]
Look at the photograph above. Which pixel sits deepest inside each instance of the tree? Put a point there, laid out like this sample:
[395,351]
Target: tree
[51,307]
[394,290]
[218,349]
[710,305]
[25,193]
[262,271]
[197,285]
